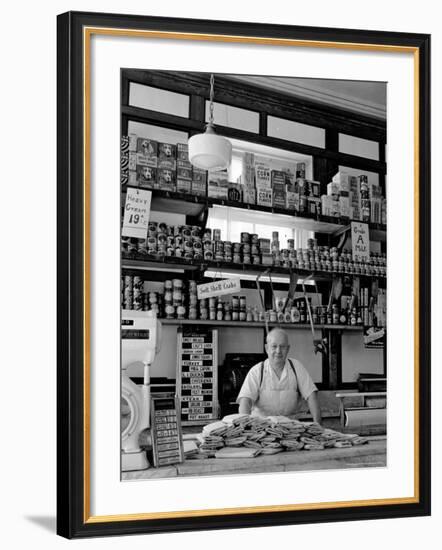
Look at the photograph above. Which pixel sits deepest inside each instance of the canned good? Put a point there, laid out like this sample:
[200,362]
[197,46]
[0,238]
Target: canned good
[195,231]
[179,252]
[216,234]
[212,314]
[207,233]
[235,315]
[242,302]
[170,311]
[188,245]
[177,283]
[208,255]
[152,227]
[219,257]
[138,282]
[291,244]
[162,228]
[236,258]
[162,239]
[193,300]
[181,312]
[204,314]
[186,232]
[207,245]
[177,230]
[192,286]
[235,302]
[188,255]
[212,302]
[245,237]
[170,251]
[254,249]
[197,256]
[237,247]
[254,239]
[192,313]
[128,281]
[228,258]
[218,247]
[132,245]
[246,248]
[242,315]
[246,259]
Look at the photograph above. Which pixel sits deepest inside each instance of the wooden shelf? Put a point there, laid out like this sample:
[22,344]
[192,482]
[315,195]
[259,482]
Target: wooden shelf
[146,261]
[253,324]
[193,205]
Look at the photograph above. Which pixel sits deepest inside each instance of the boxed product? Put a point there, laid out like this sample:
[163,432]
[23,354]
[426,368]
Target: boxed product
[300,170]
[333,189]
[266,259]
[376,210]
[263,195]
[314,188]
[314,205]
[132,161]
[384,211]
[344,188]
[183,186]
[217,184]
[264,246]
[292,196]
[166,151]
[374,191]
[182,152]
[148,149]
[341,176]
[326,205]
[184,173]
[199,182]
[279,195]
[133,140]
[166,179]
[249,194]
[234,192]
[133,178]
[248,169]
[146,176]
[355,197]
[335,208]
[344,206]
[262,175]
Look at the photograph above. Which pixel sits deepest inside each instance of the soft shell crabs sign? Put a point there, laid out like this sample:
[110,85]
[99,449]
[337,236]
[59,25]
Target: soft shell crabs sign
[360,241]
[218,288]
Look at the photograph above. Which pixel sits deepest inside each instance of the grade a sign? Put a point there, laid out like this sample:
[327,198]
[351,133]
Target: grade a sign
[218,288]
[360,241]
[136,213]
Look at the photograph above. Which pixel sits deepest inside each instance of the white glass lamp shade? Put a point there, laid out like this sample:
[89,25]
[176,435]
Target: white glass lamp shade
[209,151]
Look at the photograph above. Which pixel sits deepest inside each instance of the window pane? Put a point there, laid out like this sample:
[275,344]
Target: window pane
[157,133]
[234,117]
[357,146]
[159,100]
[236,228]
[295,131]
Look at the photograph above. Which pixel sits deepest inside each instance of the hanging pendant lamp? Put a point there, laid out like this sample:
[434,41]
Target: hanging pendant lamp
[210,151]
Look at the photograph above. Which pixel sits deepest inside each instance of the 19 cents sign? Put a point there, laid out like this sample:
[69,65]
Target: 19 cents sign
[136,213]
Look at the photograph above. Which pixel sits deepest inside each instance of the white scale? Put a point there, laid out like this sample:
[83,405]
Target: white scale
[141,342]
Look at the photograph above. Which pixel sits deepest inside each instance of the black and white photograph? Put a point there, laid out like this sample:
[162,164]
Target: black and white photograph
[253,274]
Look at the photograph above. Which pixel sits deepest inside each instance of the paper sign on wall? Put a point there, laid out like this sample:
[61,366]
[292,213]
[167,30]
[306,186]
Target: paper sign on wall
[218,288]
[136,213]
[360,241]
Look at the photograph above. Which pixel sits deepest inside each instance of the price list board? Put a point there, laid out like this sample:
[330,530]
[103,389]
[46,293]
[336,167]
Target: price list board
[167,439]
[197,376]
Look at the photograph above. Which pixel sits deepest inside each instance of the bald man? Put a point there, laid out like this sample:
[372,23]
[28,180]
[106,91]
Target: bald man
[274,386]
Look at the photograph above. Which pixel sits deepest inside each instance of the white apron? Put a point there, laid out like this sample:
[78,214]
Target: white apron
[276,402]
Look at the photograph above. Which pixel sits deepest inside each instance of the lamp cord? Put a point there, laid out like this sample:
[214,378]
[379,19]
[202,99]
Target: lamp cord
[211,106]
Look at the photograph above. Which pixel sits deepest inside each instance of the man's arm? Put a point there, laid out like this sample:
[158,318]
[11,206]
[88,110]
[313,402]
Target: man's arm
[245,405]
[313,405]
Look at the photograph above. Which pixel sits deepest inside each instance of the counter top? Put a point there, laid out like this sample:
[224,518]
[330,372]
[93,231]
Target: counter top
[374,454]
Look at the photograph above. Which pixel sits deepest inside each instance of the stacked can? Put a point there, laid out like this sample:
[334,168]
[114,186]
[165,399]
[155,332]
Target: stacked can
[275,248]
[207,245]
[193,301]
[128,287]
[246,248]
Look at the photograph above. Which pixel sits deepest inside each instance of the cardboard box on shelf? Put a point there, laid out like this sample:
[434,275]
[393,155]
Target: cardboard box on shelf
[335,208]
[133,140]
[166,151]
[300,170]
[234,192]
[249,194]
[314,188]
[184,173]
[199,182]
[326,205]
[166,179]
[263,195]
[279,197]
[333,189]
[146,177]
[264,246]
[183,186]
[182,152]
[262,175]
[376,210]
[344,203]
[314,205]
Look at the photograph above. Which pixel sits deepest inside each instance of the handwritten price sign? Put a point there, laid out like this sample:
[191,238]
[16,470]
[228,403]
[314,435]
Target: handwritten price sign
[360,241]
[218,288]
[136,213]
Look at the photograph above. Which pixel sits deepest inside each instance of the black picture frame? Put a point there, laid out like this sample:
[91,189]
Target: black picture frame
[73,517]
